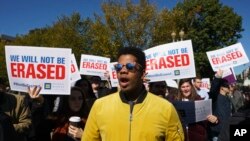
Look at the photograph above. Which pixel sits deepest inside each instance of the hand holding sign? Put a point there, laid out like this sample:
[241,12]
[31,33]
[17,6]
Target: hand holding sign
[34,94]
[219,73]
[32,66]
[212,119]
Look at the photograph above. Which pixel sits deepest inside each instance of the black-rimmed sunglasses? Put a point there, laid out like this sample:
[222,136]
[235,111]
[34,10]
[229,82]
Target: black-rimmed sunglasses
[129,66]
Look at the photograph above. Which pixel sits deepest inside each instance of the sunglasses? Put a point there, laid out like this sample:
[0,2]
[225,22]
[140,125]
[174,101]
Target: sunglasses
[129,66]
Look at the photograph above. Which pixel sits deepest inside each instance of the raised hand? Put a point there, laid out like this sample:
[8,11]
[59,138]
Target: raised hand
[219,73]
[34,94]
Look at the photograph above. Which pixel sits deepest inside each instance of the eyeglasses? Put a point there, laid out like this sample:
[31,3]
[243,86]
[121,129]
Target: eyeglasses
[129,66]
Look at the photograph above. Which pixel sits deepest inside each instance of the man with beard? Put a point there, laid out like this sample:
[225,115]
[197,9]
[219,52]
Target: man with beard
[132,114]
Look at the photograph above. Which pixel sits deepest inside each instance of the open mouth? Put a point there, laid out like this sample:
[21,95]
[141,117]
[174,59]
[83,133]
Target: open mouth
[124,82]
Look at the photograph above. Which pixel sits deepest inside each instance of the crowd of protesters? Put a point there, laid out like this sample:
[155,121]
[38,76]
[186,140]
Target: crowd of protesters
[137,110]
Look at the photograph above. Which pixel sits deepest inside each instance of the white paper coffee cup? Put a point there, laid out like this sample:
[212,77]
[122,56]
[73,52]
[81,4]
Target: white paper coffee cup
[75,121]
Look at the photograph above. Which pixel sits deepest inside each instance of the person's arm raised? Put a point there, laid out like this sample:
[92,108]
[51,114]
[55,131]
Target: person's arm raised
[35,96]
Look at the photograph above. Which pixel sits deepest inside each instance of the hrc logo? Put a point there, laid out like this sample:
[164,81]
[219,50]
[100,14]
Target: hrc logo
[47,86]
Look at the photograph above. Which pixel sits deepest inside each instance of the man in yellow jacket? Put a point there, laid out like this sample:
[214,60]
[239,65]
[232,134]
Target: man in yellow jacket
[132,114]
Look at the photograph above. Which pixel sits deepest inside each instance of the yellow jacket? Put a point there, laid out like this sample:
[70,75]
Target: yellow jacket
[154,119]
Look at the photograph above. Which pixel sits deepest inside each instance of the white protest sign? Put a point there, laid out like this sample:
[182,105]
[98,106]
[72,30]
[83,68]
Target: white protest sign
[93,65]
[227,57]
[39,66]
[75,74]
[193,111]
[113,75]
[170,61]
[171,83]
[203,108]
[205,84]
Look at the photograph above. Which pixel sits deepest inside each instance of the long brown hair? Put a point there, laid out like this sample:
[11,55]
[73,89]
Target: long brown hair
[64,111]
[193,94]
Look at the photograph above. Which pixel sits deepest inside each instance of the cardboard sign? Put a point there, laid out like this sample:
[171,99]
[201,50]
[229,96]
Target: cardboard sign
[94,65]
[75,74]
[171,83]
[170,61]
[193,111]
[39,66]
[227,57]
[205,84]
[229,75]
[113,75]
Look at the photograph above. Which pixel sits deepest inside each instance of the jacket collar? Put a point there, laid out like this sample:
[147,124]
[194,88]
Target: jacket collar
[143,93]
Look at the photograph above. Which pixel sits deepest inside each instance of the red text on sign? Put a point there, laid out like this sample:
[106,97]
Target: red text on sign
[226,58]
[114,75]
[91,65]
[40,71]
[73,69]
[168,62]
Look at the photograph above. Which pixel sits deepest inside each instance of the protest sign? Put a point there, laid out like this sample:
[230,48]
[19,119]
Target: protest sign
[170,61]
[39,66]
[113,75]
[229,75]
[193,111]
[227,57]
[171,83]
[75,74]
[205,84]
[93,65]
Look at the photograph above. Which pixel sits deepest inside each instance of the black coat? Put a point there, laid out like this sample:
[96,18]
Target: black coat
[242,117]
[221,106]
[7,131]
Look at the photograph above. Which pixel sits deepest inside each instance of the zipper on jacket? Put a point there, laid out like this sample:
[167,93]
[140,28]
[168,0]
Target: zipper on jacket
[131,105]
